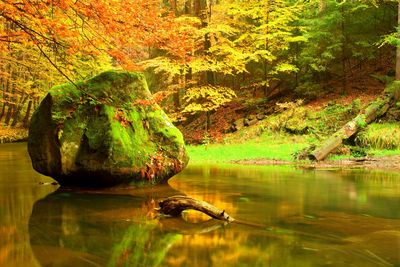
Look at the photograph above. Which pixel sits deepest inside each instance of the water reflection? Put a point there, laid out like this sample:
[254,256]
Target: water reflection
[70,228]
[291,217]
[19,189]
[311,218]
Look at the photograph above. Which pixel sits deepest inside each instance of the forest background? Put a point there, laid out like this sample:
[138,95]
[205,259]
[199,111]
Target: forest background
[272,70]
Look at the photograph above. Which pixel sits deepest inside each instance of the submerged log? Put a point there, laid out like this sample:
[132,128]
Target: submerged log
[175,205]
[375,110]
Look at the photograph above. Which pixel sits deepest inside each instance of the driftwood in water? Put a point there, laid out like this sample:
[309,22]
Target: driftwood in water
[175,205]
[375,110]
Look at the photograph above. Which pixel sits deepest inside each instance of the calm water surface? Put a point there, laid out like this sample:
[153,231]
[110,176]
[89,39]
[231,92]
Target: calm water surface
[289,217]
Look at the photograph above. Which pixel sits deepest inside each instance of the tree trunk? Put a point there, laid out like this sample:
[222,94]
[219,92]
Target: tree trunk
[375,110]
[207,43]
[398,47]
[3,109]
[6,90]
[343,48]
[175,205]
[26,120]
[10,111]
[18,109]
[188,7]
[208,121]
[265,63]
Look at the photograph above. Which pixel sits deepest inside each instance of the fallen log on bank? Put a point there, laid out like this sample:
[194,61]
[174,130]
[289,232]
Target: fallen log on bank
[176,204]
[375,110]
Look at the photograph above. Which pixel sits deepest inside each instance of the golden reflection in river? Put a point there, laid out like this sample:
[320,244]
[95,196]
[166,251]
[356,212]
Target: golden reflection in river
[19,189]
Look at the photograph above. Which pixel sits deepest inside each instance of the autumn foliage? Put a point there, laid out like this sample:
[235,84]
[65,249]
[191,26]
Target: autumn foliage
[43,43]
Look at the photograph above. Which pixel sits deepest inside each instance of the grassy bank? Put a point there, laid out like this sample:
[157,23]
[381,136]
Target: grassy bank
[267,146]
[280,148]
[281,136]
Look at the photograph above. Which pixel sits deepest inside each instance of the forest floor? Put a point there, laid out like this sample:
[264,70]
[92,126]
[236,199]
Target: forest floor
[9,135]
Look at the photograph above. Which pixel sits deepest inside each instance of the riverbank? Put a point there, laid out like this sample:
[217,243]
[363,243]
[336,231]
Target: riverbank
[282,149]
[372,162]
[286,136]
[11,135]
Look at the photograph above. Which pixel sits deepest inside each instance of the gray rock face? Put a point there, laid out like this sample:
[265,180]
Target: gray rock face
[103,132]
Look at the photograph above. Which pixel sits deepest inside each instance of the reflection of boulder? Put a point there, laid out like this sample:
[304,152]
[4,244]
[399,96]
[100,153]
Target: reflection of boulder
[85,229]
[105,131]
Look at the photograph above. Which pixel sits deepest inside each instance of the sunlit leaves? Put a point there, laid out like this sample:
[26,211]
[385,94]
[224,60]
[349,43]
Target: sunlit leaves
[206,98]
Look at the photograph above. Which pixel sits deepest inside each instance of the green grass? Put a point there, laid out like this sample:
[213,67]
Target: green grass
[380,136]
[385,152]
[267,147]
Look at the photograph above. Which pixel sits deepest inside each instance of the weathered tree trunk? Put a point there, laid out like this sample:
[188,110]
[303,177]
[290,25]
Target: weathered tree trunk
[26,119]
[372,112]
[175,205]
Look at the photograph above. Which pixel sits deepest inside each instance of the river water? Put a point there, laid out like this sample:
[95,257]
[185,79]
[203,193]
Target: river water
[287,217]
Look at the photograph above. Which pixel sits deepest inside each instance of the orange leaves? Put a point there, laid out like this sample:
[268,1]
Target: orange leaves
[144,102]
[119,116]
[123,29]
[155,166]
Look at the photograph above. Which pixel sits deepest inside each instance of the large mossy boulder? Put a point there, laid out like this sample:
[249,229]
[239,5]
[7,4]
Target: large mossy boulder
[105,131]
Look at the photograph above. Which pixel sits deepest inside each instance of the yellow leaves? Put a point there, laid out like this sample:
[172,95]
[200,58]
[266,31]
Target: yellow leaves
[163,64]
[285,67]
[206,98]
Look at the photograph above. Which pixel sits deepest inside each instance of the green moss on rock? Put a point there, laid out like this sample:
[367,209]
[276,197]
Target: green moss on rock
[105,131]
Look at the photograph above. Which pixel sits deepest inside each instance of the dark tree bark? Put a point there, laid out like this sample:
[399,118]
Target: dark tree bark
[26,119]
[10,111]
[3,109]
[175,205]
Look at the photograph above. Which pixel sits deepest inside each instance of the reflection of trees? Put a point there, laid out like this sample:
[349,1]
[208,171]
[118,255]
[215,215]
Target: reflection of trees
[75,229]
[313,212]
[19,189]
[374,192]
